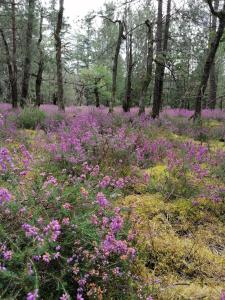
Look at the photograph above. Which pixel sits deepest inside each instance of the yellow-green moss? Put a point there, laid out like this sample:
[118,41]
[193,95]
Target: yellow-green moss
[180,244]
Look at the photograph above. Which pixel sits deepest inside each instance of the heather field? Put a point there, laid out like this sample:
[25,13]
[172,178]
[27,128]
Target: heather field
[111,206]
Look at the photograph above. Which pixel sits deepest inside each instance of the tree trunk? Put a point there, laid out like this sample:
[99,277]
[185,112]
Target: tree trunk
[115,65]
[212,77]
[40,65]
[158,71]
[27,60]
[96,92]
[58,47]
[148,75]
[10,68]
[127,99]
[14,63]
[207,67]
[165,48]
[160,64]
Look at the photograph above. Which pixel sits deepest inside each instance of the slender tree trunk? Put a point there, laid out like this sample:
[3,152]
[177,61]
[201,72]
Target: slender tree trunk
[158,71]
[40,65]
[207,67]
[148,76]
[96,92]
[58,46]
[115,65]
[160,60]
[165,49]
[127,99]
[27,60]
[212,77]
[9,65]
[14,63]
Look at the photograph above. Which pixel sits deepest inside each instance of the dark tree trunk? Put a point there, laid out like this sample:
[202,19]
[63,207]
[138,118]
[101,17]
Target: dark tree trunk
[27,60]
[10,68]
[115,65]
[96,92]
[207,67]
[127,99]
[148,76]
[14,63]
[40,66]
[158,71]
[165,49]
[212,76]
[160,63]
[58,46]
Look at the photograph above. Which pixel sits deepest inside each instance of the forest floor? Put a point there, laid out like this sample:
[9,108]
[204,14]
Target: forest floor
[98,206]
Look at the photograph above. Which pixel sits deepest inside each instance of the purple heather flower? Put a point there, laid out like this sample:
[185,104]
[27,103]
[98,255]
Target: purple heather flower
[80,297]
[101,199]
[116,224]
[222,297]
[65,297]
[7,255]
[5,195]
[32,295]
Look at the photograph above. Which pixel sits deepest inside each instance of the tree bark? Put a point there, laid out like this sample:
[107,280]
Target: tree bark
[10,68]
[160,62]
[115,65]
[40,65]
[165,48]
[127,99]
[212,76]
[27,60]
[14,62]
[207,67]
[96,92]
[58,47]
[158,71]
[148,75]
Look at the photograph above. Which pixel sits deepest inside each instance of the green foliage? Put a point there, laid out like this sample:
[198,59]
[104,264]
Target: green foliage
[97,77]
[30,118]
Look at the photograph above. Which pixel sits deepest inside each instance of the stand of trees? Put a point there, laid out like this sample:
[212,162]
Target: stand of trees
[142,53]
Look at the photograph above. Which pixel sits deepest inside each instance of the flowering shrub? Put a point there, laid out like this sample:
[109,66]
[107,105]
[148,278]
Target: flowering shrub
[116,208]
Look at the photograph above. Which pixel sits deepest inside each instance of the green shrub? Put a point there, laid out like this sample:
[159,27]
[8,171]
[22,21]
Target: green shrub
[30,118]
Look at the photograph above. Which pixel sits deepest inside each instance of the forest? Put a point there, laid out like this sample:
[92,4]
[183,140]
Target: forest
[112,150]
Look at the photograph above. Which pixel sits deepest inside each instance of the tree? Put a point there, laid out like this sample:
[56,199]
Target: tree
[11,59]
[212,77]
[96,81]
[58,47]
[40,63]
[160,58]
[148,75]
[210,58]
[14,58]
[158,71]
[115,64]
[28,57]
[129,57]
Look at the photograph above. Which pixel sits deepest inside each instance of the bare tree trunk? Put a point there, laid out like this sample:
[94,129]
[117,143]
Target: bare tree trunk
[27,60]
[207,67]
[127,99]
[58,46]
[14,63]
[96,92]
[212,77]
[115,65]
[160,61]
[40,65]
[165,48]
[9,65]
[158,71]
[148,75]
